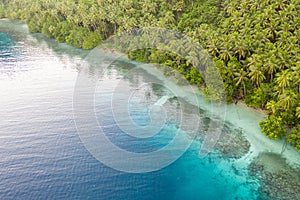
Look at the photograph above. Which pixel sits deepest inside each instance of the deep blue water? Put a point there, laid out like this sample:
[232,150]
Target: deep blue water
[42,155]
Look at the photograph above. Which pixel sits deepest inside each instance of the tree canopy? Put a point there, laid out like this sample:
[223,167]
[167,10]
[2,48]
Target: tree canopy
[254,43]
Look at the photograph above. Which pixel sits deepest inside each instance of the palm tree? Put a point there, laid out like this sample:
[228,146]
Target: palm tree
[225,53]
[241,50]
[287,100]
[283,80]
[283,58]
[271,66]
[232,66]
[296,75]
[272,106]
[241,79]
[256,75]
[148,6]
[298,112]
[169,18]
[213,47]
[254,60]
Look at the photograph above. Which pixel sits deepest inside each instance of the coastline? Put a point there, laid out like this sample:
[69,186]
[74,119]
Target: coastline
[243,117]
[239,115]
[262,157]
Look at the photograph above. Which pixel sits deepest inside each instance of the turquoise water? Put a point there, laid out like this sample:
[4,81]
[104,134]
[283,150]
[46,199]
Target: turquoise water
[43,157]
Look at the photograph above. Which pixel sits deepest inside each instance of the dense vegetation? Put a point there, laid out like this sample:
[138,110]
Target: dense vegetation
[255,43]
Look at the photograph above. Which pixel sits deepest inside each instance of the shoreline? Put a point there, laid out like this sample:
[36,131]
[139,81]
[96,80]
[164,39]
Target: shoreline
[247,120]
[238,116]
[241,117]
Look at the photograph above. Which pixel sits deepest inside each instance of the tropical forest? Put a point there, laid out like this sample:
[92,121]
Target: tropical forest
[51,94]
[254,43]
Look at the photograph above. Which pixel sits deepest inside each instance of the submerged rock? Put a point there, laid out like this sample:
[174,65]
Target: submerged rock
[232,143]
[278,179]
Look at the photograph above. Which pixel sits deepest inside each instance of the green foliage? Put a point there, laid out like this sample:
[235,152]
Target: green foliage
[92,40]
[258,41]
[138,55]
[254,43]
[294,137]
[2,11]
[194,76]
[77,36]
[62,31]
[273,127]
[197,13]
[259,97]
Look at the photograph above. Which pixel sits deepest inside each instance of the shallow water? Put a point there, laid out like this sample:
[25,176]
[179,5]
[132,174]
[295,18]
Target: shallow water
[41,152]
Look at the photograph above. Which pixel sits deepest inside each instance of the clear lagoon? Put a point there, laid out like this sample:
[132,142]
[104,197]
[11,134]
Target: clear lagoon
[43,157]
